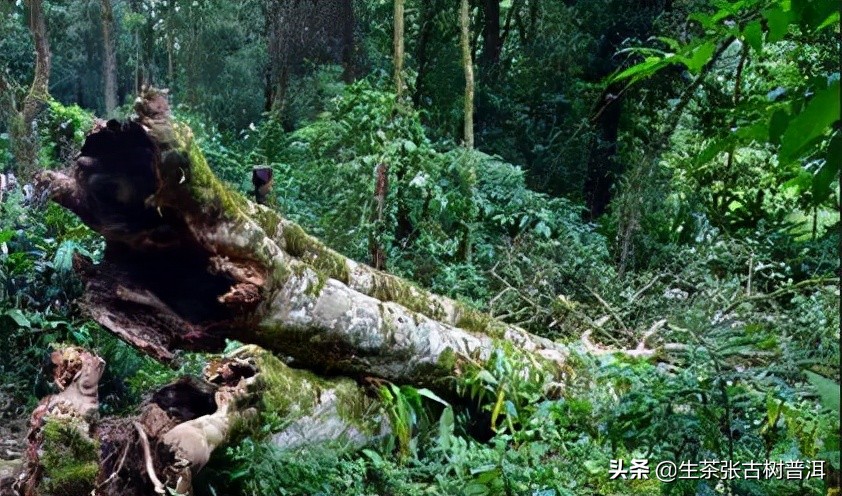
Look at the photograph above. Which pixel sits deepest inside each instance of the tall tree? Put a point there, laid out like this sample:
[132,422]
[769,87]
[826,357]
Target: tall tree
[22,133]
[491,45]
[398,47]
[307,30]
[632,21]
[381,174]
[468,66]
[109,59]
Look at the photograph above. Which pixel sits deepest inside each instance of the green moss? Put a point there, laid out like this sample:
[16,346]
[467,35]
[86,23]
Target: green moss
[268,220]
[295,239]
[447,359]
[474,321]
[70,460]
[300,244]
[390,288]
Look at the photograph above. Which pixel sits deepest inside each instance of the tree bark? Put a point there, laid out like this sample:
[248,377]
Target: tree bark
[491,34]
[397,42]
[109,59]
[23,136]
[427,16]
[468,67]
[189,263]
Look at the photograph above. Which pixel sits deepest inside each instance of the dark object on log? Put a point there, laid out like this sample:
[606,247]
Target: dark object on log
[261,178]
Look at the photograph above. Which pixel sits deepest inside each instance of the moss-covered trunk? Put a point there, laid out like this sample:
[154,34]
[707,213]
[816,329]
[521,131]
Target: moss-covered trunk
[189,263]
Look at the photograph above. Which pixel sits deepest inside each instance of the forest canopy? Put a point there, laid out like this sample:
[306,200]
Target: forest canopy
[419,247]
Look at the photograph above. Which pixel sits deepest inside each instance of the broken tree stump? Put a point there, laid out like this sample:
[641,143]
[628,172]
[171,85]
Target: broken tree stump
[72,452]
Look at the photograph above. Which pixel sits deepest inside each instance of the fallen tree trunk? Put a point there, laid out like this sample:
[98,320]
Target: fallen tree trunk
[70,451]
[189,263]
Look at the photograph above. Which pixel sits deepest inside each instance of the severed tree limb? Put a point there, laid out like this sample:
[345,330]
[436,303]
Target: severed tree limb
[195,263]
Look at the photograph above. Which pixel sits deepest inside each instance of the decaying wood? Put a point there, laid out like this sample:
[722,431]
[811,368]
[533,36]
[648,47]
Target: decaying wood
[76,374]
[189,263]
[179,427]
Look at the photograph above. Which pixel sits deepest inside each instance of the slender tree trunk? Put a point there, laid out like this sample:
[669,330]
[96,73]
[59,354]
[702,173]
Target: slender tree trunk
[381,190]
[170,47]
[467,65]
[428,12]
[109,58]
[398,47]
[23,136]
[349,68]
[491,34]
[603,167]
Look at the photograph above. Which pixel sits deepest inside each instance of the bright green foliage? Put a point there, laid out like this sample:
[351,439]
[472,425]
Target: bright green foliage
[63,131]
[762,144]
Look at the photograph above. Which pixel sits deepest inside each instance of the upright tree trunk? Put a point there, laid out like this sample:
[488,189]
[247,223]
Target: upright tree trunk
[397,42]
[468,66]
[109,58]
[491,34]
[24,138]
[428,12]
[603,167]
[316,30]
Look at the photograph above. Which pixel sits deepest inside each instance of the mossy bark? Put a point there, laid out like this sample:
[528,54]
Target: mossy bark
[253,276]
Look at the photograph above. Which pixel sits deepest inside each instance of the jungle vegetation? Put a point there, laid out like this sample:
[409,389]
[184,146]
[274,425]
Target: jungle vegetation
[653,184]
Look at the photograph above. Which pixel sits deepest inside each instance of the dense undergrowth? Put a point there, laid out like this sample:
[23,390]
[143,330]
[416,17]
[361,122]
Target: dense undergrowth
[753,308]
[718,251]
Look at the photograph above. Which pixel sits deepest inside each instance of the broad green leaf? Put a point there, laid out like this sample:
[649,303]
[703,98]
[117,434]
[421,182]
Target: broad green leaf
[705,20]
[819,114]
[800,183]
[674,44]
[828,390]
[777,125]
[646,68]
[486,377]
[432,396]
[713,149]
[753,35]
[826,175]
[19,318]
[373,456]
[6,235]
[63,259]
[446,423]
[498,407]
[832,20]
[701,56]
[778,21]
[815,14]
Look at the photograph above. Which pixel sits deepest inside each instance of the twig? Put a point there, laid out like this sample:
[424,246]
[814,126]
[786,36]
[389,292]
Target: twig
[750,273]
[521,295]
[641,351]
[609,309]
[657,326]
[645,288]
[780,291]
[119,466]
